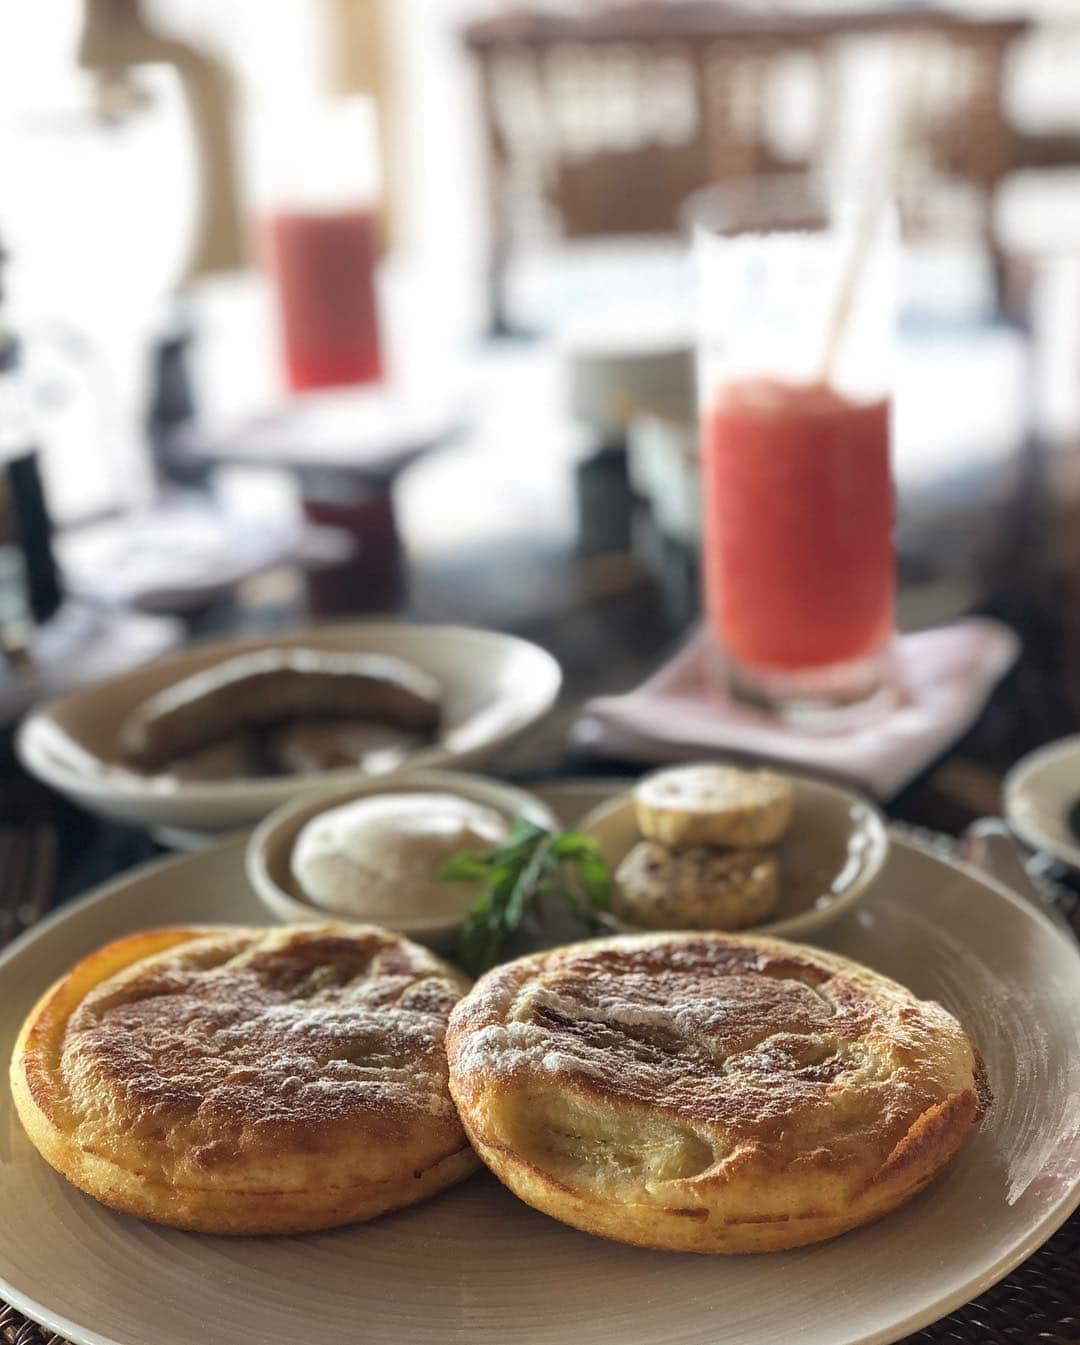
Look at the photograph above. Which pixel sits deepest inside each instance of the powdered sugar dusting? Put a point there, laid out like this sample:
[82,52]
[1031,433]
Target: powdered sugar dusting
[255,1028]
[743,1034]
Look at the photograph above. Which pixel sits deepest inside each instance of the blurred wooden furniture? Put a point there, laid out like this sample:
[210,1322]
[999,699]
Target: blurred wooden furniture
[604,121]
[116,36]
[362,61]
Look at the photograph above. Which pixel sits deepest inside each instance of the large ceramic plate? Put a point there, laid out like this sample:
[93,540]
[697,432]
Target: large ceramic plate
[494,687]
[475,1265]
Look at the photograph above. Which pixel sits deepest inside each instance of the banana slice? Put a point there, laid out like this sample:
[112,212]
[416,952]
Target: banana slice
[658,888]
[713,805]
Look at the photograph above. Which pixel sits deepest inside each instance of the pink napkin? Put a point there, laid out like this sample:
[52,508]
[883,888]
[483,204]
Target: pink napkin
[944,678]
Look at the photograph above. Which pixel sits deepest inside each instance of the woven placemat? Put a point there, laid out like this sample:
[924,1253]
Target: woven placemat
[1038,1304]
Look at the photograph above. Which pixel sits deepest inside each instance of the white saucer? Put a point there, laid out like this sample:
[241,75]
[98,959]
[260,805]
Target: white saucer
[1038,793]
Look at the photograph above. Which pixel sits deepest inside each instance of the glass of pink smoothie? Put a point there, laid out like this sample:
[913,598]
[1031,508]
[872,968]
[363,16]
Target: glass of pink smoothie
[320,243]
[797,497]
[323,264]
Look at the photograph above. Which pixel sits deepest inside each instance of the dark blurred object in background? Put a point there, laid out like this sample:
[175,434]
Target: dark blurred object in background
[29,581]
[372,579]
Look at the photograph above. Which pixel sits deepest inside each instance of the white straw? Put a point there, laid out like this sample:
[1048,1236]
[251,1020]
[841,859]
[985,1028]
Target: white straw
[877,194]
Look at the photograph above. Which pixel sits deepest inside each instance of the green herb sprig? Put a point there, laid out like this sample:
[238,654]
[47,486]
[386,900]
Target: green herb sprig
[531,864]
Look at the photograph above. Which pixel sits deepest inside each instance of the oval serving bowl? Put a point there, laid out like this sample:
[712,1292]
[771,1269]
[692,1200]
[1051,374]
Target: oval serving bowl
[269,852]
[833,850]
[494,687]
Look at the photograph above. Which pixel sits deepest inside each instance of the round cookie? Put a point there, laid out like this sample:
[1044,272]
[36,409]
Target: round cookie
[708,1092]
[240,1080]
[713,805]
[702,888]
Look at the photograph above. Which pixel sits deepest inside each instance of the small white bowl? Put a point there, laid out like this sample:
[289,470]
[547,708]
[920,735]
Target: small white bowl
[830,854]
[1039,793]
[269,851]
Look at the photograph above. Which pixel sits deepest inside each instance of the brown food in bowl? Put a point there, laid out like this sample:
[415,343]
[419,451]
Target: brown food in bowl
[236,757]
[312,745]
[701,888]
[273,686]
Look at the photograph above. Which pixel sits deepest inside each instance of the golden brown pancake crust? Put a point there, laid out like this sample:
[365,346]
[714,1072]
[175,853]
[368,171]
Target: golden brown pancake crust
[242,1080]
[709,1092]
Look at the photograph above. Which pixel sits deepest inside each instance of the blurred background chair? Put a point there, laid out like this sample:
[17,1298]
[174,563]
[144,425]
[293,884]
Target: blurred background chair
[602,122]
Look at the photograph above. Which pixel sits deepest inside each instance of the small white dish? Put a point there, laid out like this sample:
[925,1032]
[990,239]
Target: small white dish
[833,850]
[270,849]
[494,687]
[1039,793]
[171,558]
